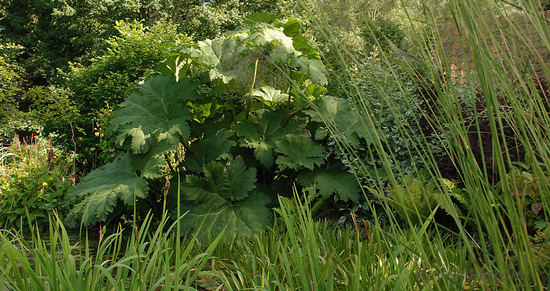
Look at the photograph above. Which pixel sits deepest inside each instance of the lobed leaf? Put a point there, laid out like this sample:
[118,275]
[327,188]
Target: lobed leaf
[263,130]
[341,121]
[225,196]
[207,150]
[270,94]
[245,218]
[230,181]
[332,181]
[299,152]
[95,197]
[155,112]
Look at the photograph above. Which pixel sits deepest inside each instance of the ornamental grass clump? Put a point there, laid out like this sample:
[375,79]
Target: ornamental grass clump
[479,146]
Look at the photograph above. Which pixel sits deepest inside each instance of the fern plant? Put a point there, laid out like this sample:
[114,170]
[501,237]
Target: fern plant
[229,122]
[416,198]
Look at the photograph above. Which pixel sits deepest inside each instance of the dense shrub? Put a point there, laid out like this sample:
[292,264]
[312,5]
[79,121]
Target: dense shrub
[10,81]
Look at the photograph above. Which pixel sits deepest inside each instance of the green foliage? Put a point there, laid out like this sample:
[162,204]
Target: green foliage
[155,113]
[226,196]
[41,110]
[416,198]
[10,82]
[382,35]
[232,152]
[30,109]
[54,33]
[341,122]
[99,192]
[333,181]
[528,196]
[34,179]
[144,259]
[262,132]
[210,19]
[109,79]
[298,152]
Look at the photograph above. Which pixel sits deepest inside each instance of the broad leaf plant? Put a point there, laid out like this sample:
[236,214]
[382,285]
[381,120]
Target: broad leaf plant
[236,121]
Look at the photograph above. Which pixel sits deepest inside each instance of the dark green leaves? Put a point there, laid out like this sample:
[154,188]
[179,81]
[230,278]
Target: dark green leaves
[247,137]
[332,181]
[299,152]
[155,112]
[207,150]
[230,181]
[245,218]
[263,130]
[97,194]
[225,196]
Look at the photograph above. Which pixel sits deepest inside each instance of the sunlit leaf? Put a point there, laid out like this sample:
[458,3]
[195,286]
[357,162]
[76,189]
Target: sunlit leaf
[155,111]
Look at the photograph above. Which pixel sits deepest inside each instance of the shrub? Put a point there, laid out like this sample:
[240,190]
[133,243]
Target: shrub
[34,179]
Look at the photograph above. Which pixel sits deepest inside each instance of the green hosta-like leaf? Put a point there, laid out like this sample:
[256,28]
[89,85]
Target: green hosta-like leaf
[155,112]
[230,181]
[263,130]
[95,197]
[299,152]
[207,150]
[332,181]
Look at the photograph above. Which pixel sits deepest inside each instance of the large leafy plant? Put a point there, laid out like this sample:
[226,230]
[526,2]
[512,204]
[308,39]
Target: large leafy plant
[230,123]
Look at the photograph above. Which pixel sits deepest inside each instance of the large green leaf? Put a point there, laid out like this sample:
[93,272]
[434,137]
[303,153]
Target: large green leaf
[226,195]
[95,197]
[155,112]
[263,130]
[255,55]
[270,95]
[332,181]
[230,181]
[298,152]
[313,67]
[207,150]
[244,219]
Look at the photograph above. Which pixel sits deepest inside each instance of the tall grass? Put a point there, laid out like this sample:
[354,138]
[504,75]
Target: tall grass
[493,241]
[148,260]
